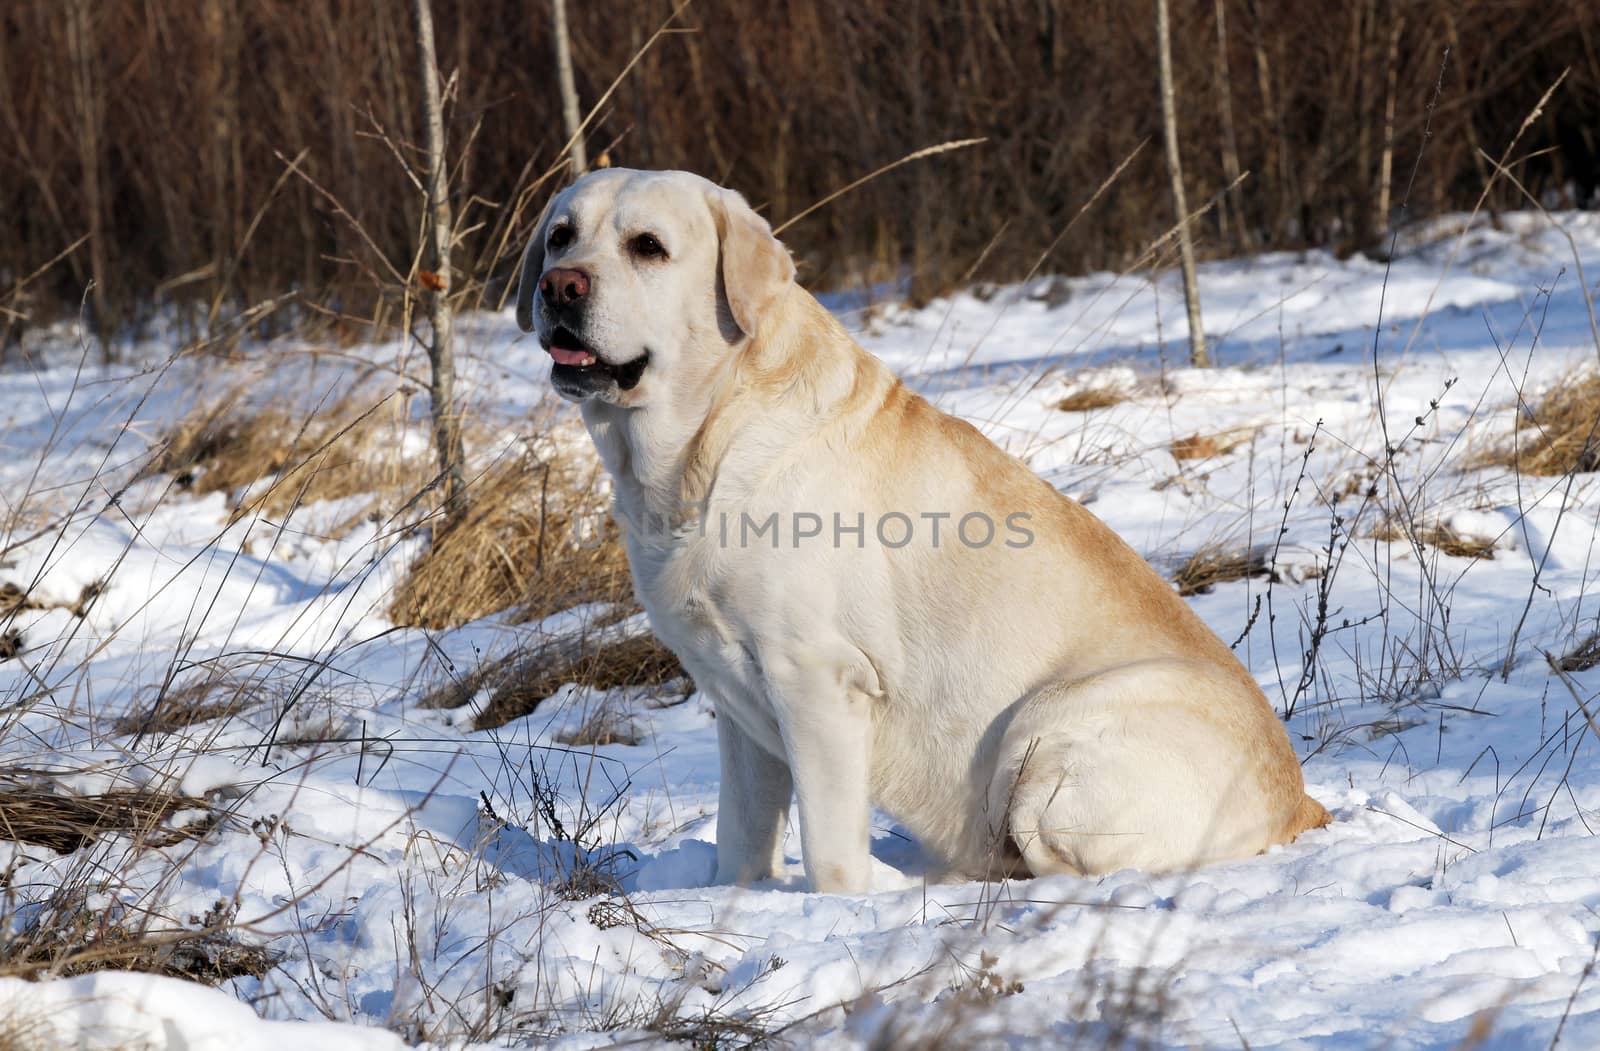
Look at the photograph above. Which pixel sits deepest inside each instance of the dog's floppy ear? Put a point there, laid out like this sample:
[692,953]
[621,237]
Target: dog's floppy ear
[756,268]
[532,270]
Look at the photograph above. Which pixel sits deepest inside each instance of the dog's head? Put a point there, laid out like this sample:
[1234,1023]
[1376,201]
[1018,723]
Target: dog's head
[635,281]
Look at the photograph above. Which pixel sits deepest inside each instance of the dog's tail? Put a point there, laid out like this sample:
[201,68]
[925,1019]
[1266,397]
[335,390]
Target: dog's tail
[1308,815]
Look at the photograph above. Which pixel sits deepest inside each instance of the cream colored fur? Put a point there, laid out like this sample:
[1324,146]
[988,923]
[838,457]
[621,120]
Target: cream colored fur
[1048,706]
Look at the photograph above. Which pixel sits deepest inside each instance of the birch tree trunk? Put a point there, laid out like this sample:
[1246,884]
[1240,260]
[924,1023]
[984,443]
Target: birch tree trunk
[1380,218]
[1198,356]
[436,256]
[569,89]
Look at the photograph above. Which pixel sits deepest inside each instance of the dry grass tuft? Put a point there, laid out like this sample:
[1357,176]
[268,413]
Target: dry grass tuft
[214,697]
[307,710]
[32,813]
[69,935]
[1092,398]
[606,726]
[519,683]
[1216,564]
[1204,446]
[536,540]
[1560,435]
[86,922]
[1583,656]
[271,460]
[1439,536]
[14,599]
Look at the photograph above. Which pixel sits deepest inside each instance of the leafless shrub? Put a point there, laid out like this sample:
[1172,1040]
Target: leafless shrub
[586,865]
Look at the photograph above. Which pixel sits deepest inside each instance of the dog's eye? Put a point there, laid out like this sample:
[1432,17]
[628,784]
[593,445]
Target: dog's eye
[647,246]
[560,237]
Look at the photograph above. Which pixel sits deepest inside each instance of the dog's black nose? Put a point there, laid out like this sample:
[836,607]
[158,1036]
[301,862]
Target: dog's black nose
[563,286]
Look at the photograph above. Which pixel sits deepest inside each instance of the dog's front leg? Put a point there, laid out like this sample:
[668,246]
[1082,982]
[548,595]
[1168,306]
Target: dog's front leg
[827,732]
[752,806]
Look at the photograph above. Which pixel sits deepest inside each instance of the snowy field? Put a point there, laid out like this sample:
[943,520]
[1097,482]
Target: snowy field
[414,880]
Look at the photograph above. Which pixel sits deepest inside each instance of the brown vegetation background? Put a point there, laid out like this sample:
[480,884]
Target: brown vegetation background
[155,135]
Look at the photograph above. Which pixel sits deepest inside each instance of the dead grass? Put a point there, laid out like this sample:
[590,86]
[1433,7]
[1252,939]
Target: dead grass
[183,706]
[607,725]
[1218,563]
[517,684]
[306,712]
[1582,657]
[64,822]
[86,923]
[1437,536]
[68,935]
[1204,446]
[219,693]
[1092,398]
[1560,435]
[14,599]
[537,540]
[275,461]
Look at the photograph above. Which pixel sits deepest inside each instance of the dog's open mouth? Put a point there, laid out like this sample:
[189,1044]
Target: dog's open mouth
[581,371]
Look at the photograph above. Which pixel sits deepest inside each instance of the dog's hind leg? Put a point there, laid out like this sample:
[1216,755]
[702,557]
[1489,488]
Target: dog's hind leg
[1157,765]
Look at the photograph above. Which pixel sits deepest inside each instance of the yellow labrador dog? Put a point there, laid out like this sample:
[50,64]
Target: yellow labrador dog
[885,608]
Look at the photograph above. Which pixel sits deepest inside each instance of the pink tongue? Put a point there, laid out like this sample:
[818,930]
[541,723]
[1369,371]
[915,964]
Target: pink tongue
[565,356]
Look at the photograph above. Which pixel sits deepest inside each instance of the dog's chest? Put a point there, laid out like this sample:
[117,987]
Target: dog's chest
[702,609]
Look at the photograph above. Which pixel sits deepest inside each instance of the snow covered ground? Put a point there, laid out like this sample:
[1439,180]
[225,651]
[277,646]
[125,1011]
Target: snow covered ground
[406,871]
